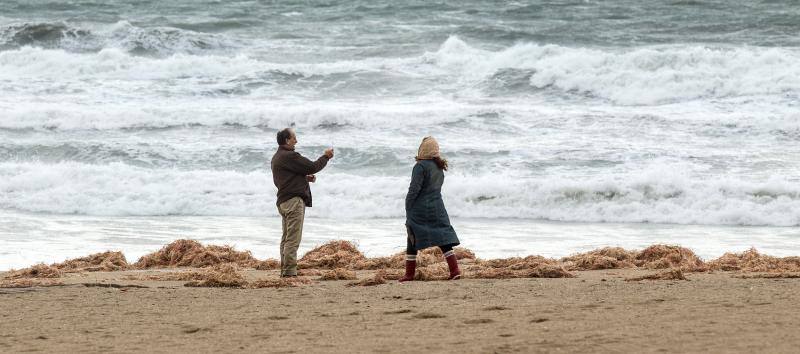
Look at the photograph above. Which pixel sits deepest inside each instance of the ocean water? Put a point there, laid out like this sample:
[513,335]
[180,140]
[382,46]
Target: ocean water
[568,125]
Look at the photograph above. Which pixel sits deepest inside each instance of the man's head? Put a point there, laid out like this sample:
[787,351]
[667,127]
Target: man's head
[287,138]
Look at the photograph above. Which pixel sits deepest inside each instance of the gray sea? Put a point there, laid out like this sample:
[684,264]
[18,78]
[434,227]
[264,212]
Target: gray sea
[568,125]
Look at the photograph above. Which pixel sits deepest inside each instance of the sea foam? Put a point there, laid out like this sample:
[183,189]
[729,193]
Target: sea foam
[640,75]
[654,196]
[629,76]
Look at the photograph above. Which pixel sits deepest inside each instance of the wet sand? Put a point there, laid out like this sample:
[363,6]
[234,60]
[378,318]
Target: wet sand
[598,311]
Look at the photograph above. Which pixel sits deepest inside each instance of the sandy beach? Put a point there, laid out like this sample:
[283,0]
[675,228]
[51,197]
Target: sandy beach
[577,311]
[615,176]
[598,311]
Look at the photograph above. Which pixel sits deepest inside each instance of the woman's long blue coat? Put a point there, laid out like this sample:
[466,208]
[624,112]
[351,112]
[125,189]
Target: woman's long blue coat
[426,217]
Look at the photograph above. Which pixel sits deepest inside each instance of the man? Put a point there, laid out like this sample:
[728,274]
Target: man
[291,173]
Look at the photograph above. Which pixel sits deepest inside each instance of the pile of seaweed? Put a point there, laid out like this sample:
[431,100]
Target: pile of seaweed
[45,275]
[228,275]
[105,261]
[190,253]
[653,257]
[752,261]
[222,275]
[669,274]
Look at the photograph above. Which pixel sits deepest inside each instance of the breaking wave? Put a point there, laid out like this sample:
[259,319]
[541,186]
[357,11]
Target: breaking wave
[650,75]
[655,196]
[154,41]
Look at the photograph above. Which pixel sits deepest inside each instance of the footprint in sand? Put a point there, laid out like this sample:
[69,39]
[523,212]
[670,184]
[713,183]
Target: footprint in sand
[189,329]
[495,308]
[479,321]
[427,315]
[397,312]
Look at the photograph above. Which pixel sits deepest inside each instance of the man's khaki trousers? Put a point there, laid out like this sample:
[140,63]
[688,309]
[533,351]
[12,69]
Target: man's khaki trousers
[292,214]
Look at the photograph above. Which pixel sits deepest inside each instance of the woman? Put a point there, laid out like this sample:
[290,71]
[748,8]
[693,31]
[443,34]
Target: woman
[427,222]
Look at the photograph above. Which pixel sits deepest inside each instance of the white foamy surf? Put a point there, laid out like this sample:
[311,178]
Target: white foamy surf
[655,196]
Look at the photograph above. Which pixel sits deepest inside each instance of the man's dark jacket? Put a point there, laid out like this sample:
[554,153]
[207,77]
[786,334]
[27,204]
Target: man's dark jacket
[289,171]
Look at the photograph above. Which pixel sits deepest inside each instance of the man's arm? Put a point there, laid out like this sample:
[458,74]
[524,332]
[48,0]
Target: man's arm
[299,164]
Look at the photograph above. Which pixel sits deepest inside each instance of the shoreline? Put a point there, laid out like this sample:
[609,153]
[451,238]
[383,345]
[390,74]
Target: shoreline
[56,238]
[346,254]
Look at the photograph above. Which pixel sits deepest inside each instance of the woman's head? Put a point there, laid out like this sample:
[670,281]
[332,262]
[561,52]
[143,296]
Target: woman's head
[429,150]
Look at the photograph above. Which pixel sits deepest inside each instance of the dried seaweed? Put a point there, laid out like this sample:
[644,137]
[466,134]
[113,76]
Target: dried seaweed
[494,273]
[516,263]
[338,260]
[396,261]
[170,276]
[752,261]
[343,254]
[221,275]
[190,253]
[390,274]
[548,271]
[671,274]
[104,261]
[269,264]
[28,283]
[539,271]
[432,272]
[334,254]
[604,258]
[278,283]
[517,267]
[338,274]
[108,261]
[40,270]
[309,272]
[769,276]
[666,256]
[377,279]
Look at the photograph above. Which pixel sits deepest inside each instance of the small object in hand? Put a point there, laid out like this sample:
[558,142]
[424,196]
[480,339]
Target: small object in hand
[311,178]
